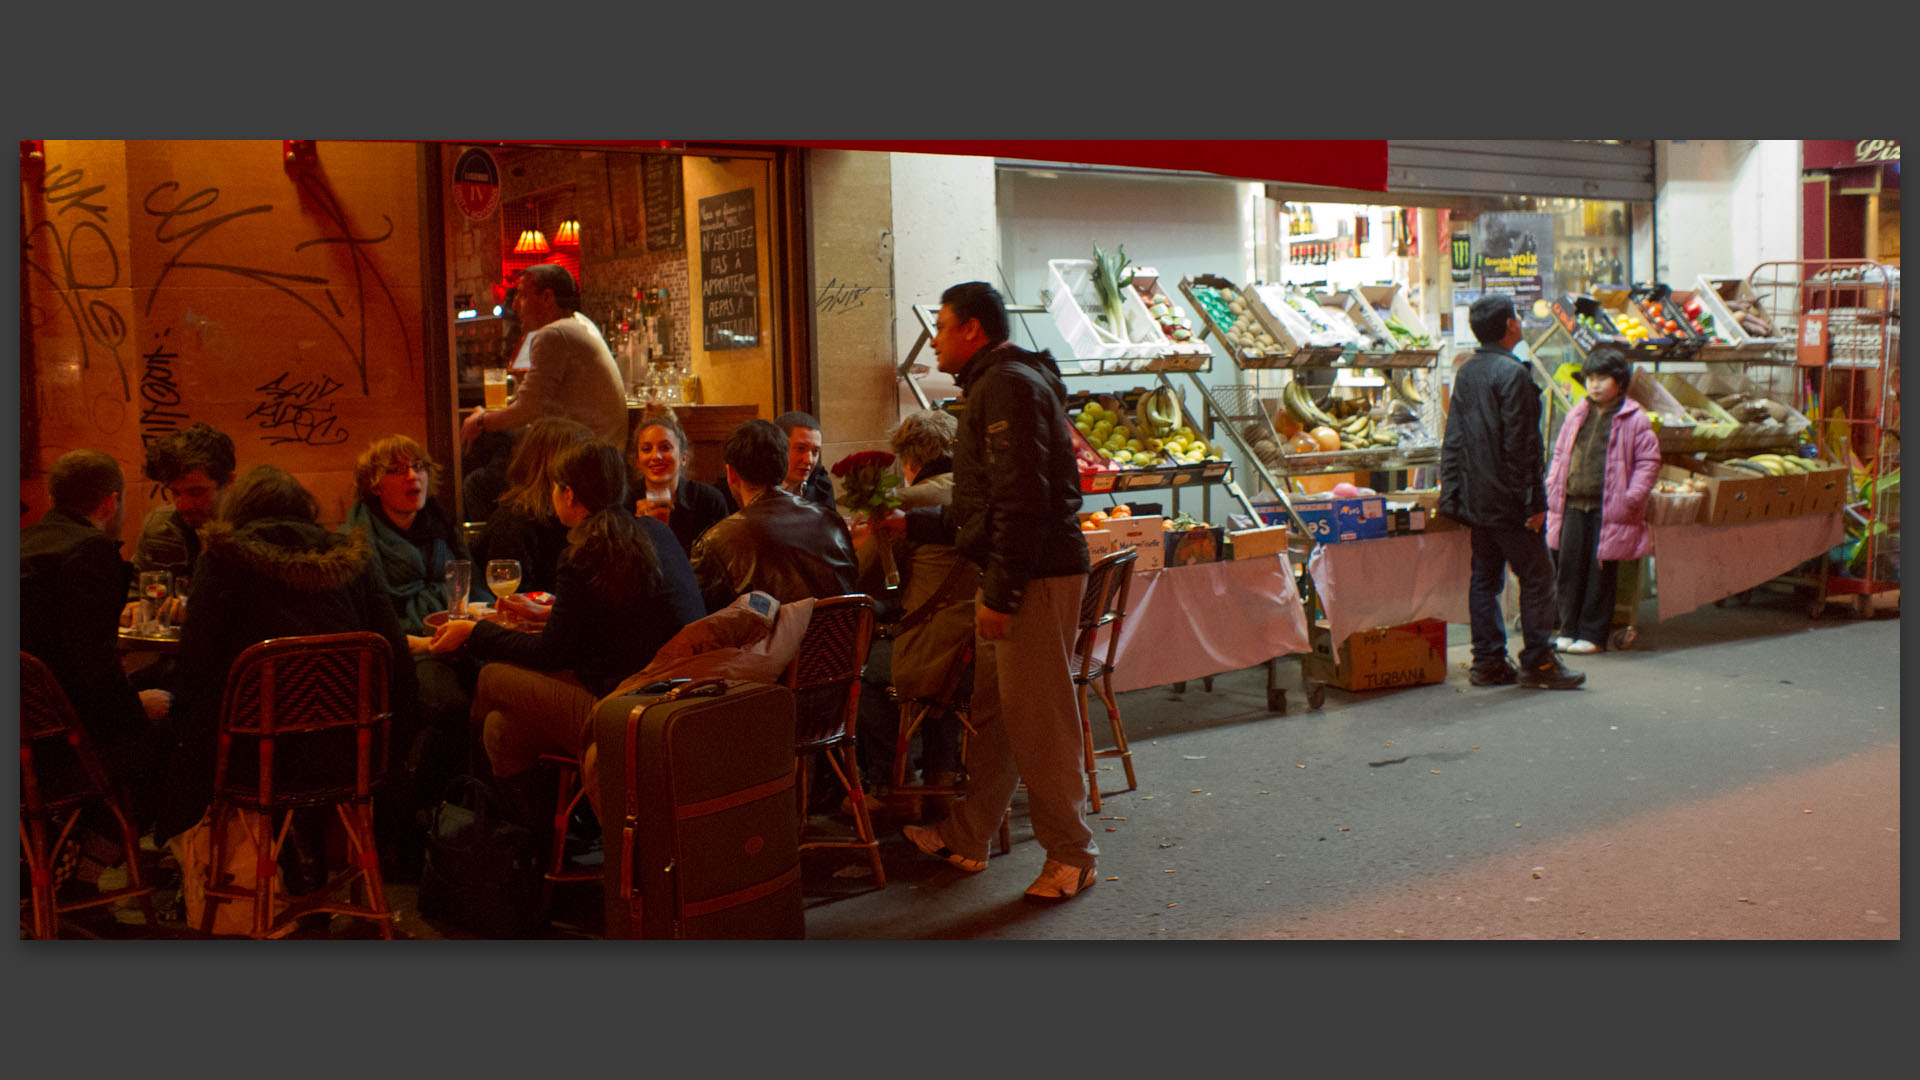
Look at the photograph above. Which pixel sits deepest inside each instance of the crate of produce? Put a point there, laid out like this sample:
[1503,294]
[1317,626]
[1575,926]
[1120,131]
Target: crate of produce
[1656,304]
[1071,299]
[1307,338]
[1192,545]
[1331,520]
[1713,426]
[1634,324]
[1414,346]
[1590,325]
[1765,421]
[1671,424]
[1230,318]
[1788,479]
[1185,351]
[1350,314]
[1716,344]
[1736,314]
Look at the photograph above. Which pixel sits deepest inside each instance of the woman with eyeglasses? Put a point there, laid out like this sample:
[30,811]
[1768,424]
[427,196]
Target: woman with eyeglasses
[413,540]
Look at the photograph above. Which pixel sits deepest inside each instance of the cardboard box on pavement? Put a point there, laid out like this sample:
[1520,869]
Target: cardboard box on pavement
[1412,654]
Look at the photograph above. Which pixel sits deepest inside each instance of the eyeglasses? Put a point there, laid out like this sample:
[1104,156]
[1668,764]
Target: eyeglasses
[402,468]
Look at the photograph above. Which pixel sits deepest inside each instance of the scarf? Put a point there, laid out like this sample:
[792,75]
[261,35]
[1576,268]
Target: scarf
[412,585]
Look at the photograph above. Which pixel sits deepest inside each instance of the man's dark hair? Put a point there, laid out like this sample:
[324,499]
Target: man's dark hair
[787,421]
[979,300]
[553,276]
[1488,317]
[1610,361]
[177,453]
[81,478]
[757,450]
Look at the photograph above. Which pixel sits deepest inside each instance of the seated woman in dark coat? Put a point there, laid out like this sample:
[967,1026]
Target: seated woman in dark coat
[624,589]
[664,490]
[523,526]
[268,569]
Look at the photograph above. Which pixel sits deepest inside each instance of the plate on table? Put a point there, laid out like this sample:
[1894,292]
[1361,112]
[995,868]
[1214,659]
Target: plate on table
[478,611]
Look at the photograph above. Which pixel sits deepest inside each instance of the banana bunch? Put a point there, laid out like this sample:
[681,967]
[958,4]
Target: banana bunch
[1358,433]
[1294,398]
[1158,412]
[1404,387]
[1774,464]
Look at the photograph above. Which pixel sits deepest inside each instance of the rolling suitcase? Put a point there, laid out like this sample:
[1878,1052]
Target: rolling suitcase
[704,840]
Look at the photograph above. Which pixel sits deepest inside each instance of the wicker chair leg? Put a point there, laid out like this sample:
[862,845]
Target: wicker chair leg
[563,800]
[33,840]
[216,867]
[359,823]
[846,766]
[1122,751]
[1086,736]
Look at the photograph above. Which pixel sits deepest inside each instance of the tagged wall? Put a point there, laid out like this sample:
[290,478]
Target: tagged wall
[172,282]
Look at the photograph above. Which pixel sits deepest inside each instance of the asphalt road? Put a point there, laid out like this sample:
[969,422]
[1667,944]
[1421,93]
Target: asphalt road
[1669,799]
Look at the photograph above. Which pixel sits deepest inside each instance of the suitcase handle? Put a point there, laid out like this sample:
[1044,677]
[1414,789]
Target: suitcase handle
[709,687]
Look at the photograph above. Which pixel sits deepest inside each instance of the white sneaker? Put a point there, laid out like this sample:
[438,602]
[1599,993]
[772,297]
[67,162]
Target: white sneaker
[1059,881]
[1561,643]
[928,840]
[1581,648]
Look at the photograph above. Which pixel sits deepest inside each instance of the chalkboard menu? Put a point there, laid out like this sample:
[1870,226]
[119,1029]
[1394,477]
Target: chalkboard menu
[729,271]
[666,202]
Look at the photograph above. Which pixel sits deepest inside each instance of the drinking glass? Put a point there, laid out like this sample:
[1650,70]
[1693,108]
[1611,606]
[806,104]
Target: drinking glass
[459,584]
[155,587]
[493,384]
[503,577]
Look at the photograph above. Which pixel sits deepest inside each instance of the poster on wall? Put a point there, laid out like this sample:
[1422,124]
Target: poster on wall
[1513,248]
[729,271]
[666,200]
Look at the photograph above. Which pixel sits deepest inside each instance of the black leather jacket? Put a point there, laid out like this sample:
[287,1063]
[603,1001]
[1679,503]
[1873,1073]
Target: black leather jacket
[1016,486]
[777,544]
[1493,465]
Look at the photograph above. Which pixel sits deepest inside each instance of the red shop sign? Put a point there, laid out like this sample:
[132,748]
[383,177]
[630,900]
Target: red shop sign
[1811,348]
[1848,153]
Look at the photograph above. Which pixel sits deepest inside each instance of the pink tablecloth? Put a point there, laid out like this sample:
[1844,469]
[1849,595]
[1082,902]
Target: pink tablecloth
[1365,584]
[1186,622]
[1698,564]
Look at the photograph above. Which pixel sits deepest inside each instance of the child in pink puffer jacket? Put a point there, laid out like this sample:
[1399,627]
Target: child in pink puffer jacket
[1605,461]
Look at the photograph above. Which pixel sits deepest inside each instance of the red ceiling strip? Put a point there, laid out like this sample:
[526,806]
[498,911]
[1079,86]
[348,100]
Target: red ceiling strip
[1358,164]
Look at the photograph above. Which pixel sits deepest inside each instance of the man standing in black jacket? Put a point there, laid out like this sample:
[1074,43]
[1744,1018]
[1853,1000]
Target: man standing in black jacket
[1016,489]
[1493,480]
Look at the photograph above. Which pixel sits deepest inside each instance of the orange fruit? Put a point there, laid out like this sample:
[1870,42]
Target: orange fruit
[1123,510]
[1287,425]
[1303,443]
[1326,438]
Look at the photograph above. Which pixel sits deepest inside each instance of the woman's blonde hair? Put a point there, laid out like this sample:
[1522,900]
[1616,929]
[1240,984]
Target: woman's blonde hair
[383,454]
[924,436]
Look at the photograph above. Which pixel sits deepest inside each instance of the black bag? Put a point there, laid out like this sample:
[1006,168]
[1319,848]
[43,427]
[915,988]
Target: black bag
[482,872]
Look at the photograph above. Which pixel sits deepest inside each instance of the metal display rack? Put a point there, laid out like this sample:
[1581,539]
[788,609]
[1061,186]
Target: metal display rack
[1843,318]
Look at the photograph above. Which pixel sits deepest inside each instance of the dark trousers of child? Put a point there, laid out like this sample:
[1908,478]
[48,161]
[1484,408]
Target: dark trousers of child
[1585,585]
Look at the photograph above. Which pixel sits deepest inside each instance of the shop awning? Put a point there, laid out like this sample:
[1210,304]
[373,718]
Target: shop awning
[1360,164]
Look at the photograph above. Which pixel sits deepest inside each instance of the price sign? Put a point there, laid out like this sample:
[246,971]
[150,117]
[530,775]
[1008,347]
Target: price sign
[1811,349]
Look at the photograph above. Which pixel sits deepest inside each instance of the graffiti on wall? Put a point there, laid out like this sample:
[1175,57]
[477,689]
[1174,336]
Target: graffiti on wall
[80,264]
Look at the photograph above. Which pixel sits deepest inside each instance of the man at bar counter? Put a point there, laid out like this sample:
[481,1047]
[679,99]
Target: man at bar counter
[1016,489]
[573,376]
[1493,470]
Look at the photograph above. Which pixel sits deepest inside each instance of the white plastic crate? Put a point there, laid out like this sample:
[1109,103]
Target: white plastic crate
[1069,299]
[1709,290]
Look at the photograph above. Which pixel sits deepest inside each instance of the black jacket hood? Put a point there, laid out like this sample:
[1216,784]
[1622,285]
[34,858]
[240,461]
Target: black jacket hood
[298,554]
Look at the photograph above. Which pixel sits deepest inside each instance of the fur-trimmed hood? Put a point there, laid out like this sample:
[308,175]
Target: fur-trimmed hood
[299,555]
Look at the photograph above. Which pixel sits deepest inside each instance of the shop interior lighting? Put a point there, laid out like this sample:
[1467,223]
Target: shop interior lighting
[569,233]
[465,313]
[532,242]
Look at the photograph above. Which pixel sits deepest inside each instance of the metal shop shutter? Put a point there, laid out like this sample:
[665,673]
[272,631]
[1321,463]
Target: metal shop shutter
[1560,168]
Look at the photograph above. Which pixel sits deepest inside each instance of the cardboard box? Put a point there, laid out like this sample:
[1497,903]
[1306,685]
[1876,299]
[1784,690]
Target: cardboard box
[1826,490]
[1332,521]
[1253,543]
[1187,547]
[1099,542]
[1144,534]
[1410,655]
[1734,496]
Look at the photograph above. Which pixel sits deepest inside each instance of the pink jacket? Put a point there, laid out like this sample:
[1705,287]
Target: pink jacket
[1633,463]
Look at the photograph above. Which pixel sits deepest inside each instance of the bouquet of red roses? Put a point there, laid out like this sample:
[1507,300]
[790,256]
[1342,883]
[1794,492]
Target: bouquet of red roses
[867,483]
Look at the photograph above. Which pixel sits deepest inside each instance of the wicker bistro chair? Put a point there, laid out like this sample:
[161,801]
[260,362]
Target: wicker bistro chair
[825,679]
[568,794]
[303,723]
[914,713]
[59,774]
[1103,605]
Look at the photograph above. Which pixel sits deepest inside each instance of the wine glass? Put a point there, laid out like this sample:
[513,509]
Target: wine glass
[503,577]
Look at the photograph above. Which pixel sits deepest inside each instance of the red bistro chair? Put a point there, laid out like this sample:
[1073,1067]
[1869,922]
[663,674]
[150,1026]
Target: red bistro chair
[825,678]
[303,723]
[60,773]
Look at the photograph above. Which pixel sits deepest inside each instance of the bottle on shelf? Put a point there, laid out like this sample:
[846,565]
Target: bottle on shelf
[1614,269]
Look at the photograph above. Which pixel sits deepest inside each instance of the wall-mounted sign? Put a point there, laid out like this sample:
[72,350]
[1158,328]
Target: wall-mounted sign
[666,201]
[476,184]
[1848,153]
[729,272]
[1811,349]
